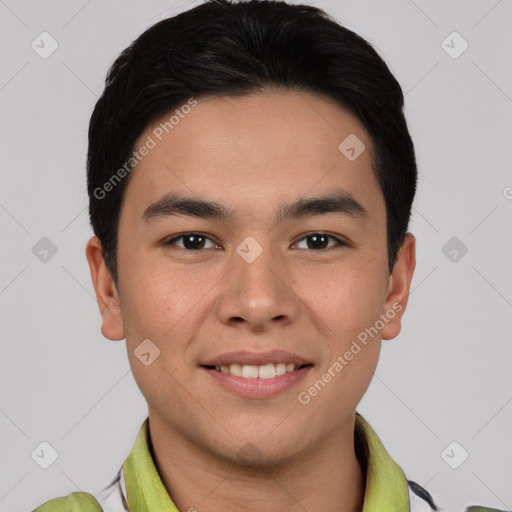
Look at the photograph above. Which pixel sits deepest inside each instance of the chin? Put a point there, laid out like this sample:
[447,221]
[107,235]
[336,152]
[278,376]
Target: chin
[262,450]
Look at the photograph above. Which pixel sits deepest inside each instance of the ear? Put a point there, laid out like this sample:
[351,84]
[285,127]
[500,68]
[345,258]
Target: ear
[107,294]
[398,288]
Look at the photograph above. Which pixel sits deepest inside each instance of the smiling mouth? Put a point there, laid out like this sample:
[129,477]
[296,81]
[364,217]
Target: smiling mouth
[266,371]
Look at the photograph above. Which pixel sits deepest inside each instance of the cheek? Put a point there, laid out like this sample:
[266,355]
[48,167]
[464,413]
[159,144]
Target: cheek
[347,298]
[161,386]
[157,296]
[162,305]
[348,301]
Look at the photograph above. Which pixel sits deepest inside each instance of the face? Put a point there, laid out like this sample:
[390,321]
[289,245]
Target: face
[262,284]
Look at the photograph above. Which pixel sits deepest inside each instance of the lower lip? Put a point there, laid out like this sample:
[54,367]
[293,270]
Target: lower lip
[258,388]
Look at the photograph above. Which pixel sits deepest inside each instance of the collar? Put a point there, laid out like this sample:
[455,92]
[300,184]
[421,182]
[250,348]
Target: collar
[386,485]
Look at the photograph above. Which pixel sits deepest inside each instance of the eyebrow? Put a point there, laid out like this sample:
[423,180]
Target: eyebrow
[339,202]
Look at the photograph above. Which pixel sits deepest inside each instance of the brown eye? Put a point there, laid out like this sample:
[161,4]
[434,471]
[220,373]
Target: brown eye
[191,241]
[319,241]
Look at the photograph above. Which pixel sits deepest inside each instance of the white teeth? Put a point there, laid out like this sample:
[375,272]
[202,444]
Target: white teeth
[266,371]
[280,369]
[249,372]
[236,370]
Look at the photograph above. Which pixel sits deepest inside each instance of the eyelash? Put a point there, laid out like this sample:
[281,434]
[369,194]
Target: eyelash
[340,243]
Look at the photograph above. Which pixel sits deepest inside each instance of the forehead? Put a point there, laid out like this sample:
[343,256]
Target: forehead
[255,150]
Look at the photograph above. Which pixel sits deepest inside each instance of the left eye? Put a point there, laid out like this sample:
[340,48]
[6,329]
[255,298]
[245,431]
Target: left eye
[196,241]
[319,239]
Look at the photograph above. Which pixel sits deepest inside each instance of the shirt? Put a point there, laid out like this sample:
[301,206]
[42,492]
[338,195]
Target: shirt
[139,487]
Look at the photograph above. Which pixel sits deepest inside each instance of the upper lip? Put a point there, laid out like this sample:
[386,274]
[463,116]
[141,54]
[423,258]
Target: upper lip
[256,358]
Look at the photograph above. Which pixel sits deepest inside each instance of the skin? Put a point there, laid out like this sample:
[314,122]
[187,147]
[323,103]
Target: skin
[252,154]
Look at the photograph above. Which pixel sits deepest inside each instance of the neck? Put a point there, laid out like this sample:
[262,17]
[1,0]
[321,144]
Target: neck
[329,477]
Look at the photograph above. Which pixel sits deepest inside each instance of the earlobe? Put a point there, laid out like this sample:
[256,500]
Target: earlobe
[107,295]
[398,288]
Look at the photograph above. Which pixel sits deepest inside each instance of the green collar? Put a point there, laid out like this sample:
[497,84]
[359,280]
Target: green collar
[144,487]
[386,485]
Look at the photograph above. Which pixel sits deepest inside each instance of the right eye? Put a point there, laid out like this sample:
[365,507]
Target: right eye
[191,241]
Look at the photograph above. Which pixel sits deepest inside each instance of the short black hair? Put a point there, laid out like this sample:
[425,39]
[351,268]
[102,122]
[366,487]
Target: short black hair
[223,47]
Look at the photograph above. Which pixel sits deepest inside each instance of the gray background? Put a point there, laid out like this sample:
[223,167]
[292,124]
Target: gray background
[446,377]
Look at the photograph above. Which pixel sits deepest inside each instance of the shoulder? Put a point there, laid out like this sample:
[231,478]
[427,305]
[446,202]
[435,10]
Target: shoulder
[420,500]
[76,502]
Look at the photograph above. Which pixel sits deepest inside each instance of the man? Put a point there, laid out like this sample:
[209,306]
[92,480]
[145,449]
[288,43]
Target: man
[251,177]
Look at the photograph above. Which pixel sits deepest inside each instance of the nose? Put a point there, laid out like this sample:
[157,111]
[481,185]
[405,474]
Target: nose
[258,294]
